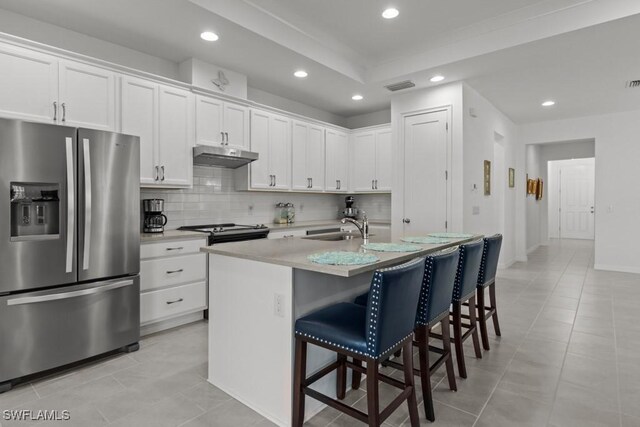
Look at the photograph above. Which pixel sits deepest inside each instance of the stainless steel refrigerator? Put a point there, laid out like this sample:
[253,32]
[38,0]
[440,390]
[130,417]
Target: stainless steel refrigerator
[69,246]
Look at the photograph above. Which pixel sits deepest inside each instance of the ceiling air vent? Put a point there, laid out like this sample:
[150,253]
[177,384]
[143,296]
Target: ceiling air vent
[400,85]
[633,84]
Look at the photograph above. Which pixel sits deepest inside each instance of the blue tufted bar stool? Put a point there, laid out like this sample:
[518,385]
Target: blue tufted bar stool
[487,279]
[367,334]
[464,291]
[433,309]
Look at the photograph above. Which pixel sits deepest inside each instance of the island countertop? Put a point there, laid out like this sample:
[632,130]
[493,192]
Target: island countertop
[293,252]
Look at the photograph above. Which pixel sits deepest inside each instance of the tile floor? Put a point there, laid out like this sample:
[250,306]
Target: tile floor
[569,356]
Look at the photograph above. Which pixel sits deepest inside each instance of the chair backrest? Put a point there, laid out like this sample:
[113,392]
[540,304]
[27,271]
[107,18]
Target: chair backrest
[490,255]
[392,305]
[468,270]
[437,285]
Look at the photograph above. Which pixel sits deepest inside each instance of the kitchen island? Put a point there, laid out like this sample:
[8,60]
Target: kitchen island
[257,290]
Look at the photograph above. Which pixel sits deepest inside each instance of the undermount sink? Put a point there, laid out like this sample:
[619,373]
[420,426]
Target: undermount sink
[335,237]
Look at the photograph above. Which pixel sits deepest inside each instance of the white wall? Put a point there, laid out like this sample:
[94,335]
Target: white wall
[617,151]
[370,119]
[442,96]
[490,135]
[286,104]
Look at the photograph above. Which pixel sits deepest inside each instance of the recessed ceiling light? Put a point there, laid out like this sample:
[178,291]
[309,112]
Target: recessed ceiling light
[548,103]
[390,13]
[437,78]
[209,36]
[357,97]
[301,74]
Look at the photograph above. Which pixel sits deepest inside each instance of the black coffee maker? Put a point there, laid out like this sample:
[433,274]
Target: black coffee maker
[154,219]
[350,211]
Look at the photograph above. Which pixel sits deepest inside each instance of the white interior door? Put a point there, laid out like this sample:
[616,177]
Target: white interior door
[577,209]
[425,185]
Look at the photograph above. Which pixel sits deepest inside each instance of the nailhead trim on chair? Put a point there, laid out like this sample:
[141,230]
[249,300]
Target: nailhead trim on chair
[424,292]
[375,302]
[458,283]
[483,263]
[367,354]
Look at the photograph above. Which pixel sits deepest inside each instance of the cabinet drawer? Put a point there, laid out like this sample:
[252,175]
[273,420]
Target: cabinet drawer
[162,272]
[171,248]
[171,302]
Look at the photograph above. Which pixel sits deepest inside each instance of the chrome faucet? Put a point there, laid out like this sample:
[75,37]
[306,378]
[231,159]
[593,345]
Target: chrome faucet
[362,228]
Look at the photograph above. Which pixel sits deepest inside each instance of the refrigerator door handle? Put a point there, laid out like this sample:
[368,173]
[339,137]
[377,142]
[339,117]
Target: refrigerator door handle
[87,204]
[72,294]
[71,205]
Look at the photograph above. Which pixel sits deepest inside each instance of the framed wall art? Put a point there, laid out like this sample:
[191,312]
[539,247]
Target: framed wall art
[487,178]
[512,177]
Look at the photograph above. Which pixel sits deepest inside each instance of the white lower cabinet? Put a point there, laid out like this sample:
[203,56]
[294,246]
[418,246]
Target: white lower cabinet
[173,282]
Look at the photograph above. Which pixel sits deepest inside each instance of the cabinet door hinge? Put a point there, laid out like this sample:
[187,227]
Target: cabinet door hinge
[446,225]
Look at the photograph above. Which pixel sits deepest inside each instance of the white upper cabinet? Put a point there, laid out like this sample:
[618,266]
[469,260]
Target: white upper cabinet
[337,158]
[236,125]
[221,123]
[383,160]
[29,85]
[308,156]
[371,151]
[139,116]
[162,116]
[175,137]
[364,161]
[271,139]
[87,96]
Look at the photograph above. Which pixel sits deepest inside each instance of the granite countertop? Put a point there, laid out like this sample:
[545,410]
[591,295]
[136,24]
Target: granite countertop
[171,235]
[319,223]
[293,252]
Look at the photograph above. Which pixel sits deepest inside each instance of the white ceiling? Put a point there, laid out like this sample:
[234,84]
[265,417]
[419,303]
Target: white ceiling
[514,52]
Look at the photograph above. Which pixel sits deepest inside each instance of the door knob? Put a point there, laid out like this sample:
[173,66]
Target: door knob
[406,220]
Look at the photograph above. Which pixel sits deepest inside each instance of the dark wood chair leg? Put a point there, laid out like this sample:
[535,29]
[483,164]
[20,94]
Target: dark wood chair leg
[357,376]
[457,338]
[299,376]
[398,353]
[446,346]
[474,327]
[341,383]
[373,394]
[407,361]
[422,337]
[482,319]
[494,306]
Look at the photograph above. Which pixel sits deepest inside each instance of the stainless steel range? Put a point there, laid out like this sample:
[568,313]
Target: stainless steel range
[222,233]
[69,246]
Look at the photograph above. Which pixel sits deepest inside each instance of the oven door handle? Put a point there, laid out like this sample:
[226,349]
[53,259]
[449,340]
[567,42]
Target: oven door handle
[72,294]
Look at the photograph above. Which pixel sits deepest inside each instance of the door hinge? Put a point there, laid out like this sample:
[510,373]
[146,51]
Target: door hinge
[446,225]
[447,126]
[446,175]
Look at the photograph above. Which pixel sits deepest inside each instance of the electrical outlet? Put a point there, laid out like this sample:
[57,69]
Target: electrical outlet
[278,305]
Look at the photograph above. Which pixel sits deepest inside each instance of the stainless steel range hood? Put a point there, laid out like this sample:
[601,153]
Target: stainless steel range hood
[222,157]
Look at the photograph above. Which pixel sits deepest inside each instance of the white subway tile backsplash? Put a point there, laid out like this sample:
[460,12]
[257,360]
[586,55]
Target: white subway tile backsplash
[213,199]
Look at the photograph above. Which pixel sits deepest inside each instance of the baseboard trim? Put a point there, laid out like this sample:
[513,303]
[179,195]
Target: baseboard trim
[618,268]
[162,325]
[533,248]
